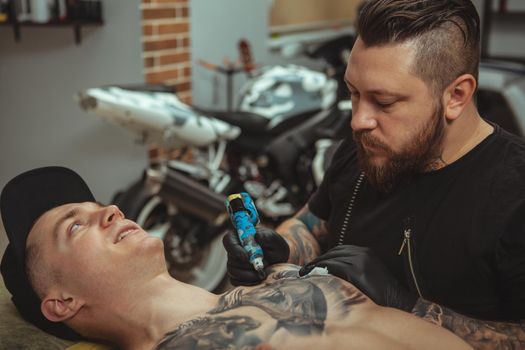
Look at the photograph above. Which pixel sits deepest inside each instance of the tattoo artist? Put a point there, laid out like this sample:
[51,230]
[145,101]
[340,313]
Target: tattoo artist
[423,206]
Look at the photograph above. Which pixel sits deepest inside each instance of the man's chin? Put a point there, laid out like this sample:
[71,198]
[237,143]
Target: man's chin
[374,161]
[377,161]
[380,173]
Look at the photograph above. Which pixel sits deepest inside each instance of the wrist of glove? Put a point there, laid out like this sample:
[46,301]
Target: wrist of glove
[240,270]
[360,266]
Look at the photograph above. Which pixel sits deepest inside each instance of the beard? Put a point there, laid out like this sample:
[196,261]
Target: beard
[401,166]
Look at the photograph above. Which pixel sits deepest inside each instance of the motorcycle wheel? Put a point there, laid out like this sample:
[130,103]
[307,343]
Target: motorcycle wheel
[191,257]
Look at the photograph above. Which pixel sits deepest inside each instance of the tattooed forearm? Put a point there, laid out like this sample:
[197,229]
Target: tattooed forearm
[304,233]
[478,333]
[316,226]
[303,246]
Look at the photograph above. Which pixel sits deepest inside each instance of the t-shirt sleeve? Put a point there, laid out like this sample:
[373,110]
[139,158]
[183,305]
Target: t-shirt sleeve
[510,246]
[319,203]
[510,256]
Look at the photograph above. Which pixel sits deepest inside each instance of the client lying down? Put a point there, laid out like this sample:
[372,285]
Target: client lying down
[75,267]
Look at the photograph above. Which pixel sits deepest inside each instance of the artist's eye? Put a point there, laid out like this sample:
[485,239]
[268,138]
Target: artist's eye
[385,104]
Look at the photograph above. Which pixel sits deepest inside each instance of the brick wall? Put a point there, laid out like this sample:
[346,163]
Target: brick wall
[166,44]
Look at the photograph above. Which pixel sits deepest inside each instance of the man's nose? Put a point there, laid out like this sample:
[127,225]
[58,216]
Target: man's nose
[109,215]
[363,117]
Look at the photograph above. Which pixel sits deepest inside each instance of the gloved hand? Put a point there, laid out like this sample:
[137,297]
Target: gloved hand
[240,271]
[361,267]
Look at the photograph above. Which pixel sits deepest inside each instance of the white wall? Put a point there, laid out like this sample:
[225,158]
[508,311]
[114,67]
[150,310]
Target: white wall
[216,28]
[40,123]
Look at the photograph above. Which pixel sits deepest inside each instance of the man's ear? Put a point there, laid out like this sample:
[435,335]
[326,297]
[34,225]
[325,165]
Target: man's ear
[60,308]
[458,95]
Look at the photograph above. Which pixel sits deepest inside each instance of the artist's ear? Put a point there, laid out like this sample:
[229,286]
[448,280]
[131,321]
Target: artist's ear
[458,95]
[58,308]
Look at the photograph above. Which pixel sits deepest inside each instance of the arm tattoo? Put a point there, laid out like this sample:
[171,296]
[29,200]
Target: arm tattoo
[303,246]
[316,226]
[478,333]
[305,233]
[297,306]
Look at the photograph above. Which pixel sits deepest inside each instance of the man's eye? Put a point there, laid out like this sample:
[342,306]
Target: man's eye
[384,104]
[75,227]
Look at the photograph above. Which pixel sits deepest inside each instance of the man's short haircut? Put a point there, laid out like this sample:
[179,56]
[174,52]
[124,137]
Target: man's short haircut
[446,34]
[39,272]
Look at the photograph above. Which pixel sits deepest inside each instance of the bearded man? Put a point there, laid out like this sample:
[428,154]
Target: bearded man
[423,209]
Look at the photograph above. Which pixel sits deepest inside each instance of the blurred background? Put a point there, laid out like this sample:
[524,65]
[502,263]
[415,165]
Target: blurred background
[43,64]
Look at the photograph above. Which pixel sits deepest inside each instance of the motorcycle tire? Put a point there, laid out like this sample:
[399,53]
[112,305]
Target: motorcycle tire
[191,257]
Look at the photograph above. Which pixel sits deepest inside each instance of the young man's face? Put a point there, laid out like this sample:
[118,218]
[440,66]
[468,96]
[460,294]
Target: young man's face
[96,250]
[397,123]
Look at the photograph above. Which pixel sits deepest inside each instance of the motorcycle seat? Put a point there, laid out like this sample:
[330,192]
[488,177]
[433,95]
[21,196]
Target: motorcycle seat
[248,122]
[255,124]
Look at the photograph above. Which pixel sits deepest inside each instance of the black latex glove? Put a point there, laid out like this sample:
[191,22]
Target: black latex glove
[240,271]
[361,267]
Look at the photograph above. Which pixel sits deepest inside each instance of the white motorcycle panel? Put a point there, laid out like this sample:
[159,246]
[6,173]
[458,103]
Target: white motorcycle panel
[156,116]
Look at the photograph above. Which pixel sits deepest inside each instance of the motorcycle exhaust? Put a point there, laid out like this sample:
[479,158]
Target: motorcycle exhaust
[194,198]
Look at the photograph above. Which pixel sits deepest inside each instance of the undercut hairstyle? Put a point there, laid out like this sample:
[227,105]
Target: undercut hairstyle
[39,272]
[445,34]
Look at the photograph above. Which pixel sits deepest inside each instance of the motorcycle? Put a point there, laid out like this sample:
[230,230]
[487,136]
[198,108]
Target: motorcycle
[272,147]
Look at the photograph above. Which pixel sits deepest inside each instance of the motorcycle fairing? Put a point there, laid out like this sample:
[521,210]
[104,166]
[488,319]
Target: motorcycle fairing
[156,116]
[281,92]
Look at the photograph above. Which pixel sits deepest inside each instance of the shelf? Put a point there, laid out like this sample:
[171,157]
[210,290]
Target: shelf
[76,25]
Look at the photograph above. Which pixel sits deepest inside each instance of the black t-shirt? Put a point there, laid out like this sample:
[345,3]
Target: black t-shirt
[467,224]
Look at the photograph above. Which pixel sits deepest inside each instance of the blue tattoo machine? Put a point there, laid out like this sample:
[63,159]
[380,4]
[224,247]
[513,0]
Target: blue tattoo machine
[244,217]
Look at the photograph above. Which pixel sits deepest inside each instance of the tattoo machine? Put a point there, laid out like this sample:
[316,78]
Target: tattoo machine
[244,217]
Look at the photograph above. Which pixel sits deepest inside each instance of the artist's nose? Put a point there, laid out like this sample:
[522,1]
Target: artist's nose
[363,117]
[110,214]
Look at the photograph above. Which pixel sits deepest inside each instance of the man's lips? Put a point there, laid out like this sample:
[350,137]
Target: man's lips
[371,148]
[125,231]
[368,142]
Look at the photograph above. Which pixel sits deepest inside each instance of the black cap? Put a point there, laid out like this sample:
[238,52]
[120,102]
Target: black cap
[23,200]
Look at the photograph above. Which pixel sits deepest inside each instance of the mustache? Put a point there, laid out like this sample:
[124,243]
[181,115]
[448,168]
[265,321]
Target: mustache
[364,138]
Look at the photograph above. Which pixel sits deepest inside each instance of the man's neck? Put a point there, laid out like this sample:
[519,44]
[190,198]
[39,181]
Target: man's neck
[461,136]
[142,317]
